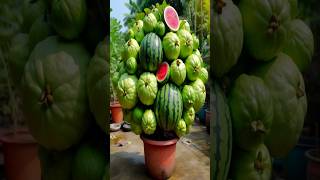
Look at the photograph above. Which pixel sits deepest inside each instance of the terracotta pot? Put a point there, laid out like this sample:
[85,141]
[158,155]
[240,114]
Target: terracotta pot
[21,160]
[313,168]
[160,157]
[116,112]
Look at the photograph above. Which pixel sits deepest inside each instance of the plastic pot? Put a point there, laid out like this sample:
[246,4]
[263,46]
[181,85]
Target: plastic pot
[313,167]
[21,160]
[159,157]
[116,112]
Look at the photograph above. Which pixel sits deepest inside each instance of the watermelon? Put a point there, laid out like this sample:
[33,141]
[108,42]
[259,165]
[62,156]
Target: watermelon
[137,115]
[171,18]
[163,73]
[151,52]
[89,162]
[221,130]
[168,107]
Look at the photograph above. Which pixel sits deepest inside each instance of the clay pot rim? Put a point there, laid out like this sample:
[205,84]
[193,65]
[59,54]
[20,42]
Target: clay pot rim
[312,155]
[21,137]
[115,104]
[159,143]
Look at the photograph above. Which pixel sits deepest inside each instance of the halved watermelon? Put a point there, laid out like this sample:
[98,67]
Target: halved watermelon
[163,73]
[171,18]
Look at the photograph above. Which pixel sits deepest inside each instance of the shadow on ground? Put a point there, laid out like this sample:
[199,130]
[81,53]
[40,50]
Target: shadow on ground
[121,162]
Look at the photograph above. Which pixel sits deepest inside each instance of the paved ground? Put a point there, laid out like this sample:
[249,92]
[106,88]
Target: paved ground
[192,157]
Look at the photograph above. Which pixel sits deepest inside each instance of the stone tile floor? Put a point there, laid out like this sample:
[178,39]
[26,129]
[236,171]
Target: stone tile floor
[192,156]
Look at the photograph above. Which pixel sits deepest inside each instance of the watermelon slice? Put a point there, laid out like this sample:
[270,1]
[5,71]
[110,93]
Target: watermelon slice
[163,73]
[171,18]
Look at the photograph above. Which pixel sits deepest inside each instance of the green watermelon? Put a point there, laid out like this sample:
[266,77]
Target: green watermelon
[151,54]
[137,115]
[221,130]
[163,73]
[168,107]
[89,162]
[55,164]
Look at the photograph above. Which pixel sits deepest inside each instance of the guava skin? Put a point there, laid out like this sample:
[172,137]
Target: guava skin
[56,72]
[228,37]
[68,17]
[251,165]
[251,108]
[171,46]
[264,24]
[147,88]
[287,89]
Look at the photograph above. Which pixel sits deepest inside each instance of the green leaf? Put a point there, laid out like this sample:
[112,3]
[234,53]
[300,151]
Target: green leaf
[140,16]
[147,10]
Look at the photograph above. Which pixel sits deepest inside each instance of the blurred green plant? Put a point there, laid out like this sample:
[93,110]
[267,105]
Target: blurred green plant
[197,13]
[116,45]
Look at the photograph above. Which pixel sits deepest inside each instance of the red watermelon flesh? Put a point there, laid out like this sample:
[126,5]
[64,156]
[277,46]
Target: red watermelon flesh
[163,72]
[171,18]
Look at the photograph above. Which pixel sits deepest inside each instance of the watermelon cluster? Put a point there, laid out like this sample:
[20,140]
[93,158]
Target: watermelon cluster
[57,60]
[161,79]
[259,56]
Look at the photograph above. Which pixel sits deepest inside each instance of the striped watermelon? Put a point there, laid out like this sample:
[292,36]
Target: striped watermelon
[151,52]
[168,107]
[221,137]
